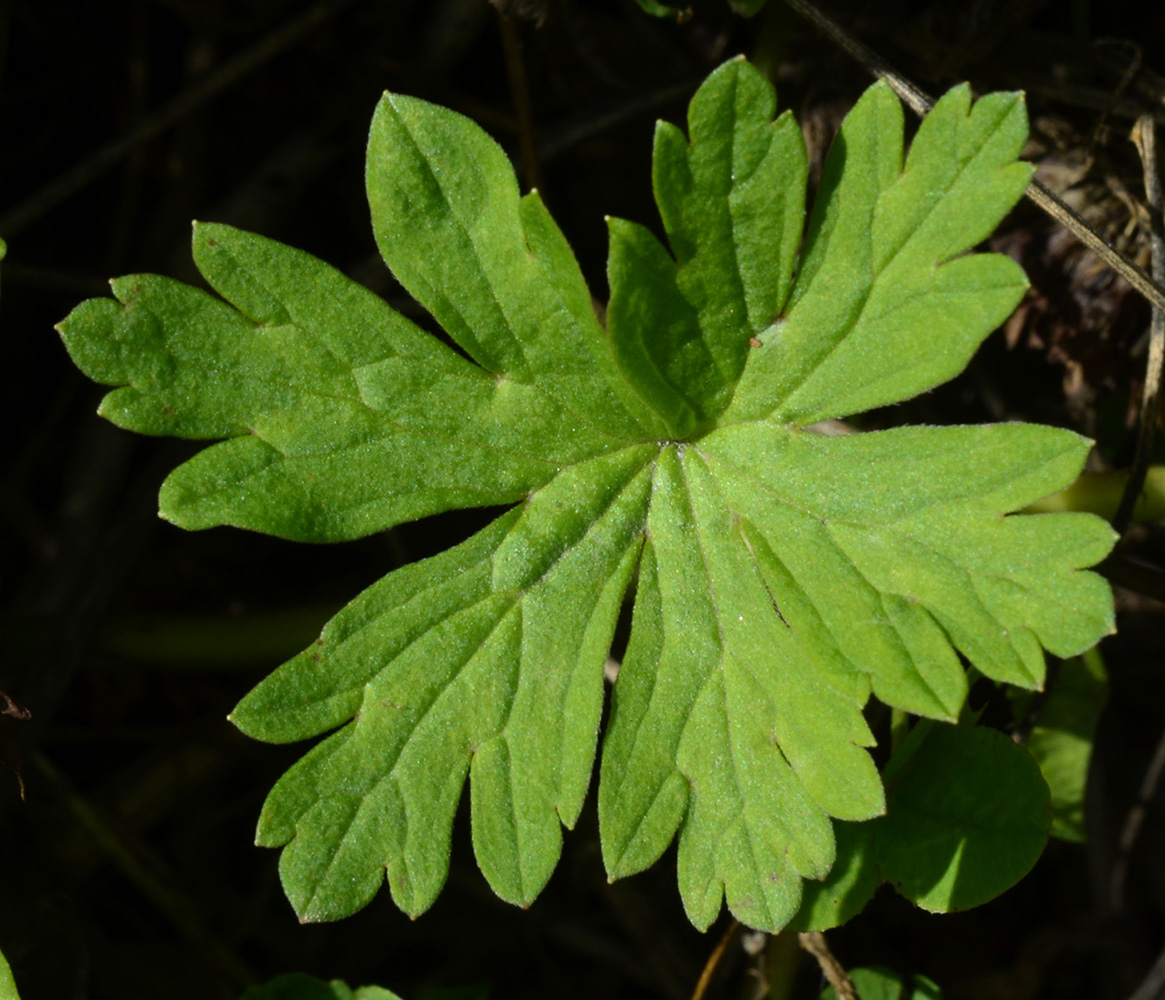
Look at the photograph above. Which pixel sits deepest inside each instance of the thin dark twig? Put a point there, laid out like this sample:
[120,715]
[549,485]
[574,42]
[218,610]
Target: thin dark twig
[714,961]
[9,753]
[1132,827]
[1061,213]
[1153,985]
[921,103]
[1144,136]
[570,133]
[1127,77]
[1079,95]
[520,94]
[10,706]
[1133,574]
[87,170]
[814,942]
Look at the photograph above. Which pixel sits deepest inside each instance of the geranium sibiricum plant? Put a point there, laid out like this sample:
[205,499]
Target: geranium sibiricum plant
[780,577]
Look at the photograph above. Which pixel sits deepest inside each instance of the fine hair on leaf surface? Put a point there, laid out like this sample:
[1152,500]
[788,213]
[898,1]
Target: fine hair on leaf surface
[781,577]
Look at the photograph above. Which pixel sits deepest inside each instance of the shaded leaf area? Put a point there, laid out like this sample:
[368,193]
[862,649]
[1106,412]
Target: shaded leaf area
[967,816]
[878,983]
[782,575]
[1062,739]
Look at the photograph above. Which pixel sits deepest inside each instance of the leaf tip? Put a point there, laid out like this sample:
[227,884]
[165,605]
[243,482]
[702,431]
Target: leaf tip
[163,512]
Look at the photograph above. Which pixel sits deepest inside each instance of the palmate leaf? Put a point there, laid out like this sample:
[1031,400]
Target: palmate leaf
[781,576]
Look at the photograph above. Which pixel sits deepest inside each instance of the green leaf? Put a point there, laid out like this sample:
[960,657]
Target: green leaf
[768,749]
[734,237]
[493,652]
[969,814]
[7,983]
[300,986]
[884,273]
[325,392]
[966,818]
[1061,742]
[657,9]
[877,983]
[732,201]
[491,266]
[781,576]
[655,333]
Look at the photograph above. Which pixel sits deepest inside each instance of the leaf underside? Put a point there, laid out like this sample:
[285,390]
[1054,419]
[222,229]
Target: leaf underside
[780,576]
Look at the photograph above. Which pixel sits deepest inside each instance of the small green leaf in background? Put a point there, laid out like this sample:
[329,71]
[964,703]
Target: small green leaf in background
[300,986]
[653,7]
[657,9]
[781,576]
[968,816]
[877,983]
[1061,741]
